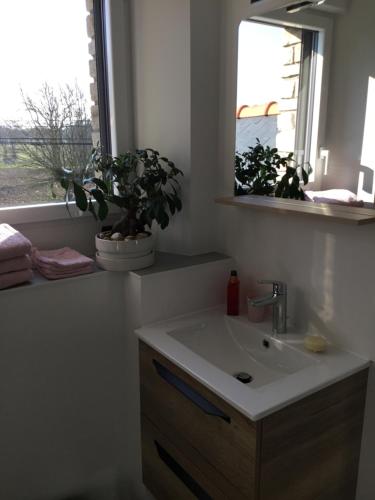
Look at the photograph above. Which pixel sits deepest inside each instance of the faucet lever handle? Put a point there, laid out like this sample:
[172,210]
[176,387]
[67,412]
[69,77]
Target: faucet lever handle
[279,287]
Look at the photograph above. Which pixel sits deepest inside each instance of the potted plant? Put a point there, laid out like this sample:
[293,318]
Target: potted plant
[143,185]
[263,171]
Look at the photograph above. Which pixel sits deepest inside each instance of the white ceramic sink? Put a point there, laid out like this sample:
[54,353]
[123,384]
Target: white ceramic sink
[213,348]
[234,345]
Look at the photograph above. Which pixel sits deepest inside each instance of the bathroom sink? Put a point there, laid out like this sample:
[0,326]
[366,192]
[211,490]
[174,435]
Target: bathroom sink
[236,346]
[275,370]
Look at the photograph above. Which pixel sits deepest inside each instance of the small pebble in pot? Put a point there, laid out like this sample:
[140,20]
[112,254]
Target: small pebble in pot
[117,237]
[141,236]
[130,238]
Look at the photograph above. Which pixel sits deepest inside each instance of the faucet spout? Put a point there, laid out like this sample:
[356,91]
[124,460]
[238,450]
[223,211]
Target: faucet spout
[267,300]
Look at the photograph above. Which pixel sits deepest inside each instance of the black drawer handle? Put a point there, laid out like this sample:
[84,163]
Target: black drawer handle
[189,392]
[181,473]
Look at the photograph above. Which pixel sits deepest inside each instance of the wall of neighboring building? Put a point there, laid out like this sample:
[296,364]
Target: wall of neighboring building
[287,119]
[249,129]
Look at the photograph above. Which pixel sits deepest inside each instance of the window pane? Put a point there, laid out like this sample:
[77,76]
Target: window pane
[48,98]
[269,66]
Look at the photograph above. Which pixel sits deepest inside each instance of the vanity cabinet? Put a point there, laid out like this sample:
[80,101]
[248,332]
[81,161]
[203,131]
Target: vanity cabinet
[196,445]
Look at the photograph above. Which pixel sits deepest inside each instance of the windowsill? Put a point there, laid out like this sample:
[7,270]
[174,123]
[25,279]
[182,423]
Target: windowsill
[26,214]
[40,213]
[39,280]
[165,262]
[337,213]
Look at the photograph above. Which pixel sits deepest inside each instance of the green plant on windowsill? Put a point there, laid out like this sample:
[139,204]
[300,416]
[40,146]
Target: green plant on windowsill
[142,184]
[263,171]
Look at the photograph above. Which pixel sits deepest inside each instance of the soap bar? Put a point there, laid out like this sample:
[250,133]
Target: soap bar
[315,343]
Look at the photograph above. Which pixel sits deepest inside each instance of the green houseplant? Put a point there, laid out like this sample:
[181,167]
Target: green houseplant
[263,171]
[142,184]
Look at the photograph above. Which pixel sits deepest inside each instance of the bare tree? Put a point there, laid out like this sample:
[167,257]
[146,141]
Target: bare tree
[58,136]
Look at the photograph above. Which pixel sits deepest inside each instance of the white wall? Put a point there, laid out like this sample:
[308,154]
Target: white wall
[64,411]
[67,413]
[329,268]
[352,65]
[175,61]
[161,56]
[69,382]
[205,32]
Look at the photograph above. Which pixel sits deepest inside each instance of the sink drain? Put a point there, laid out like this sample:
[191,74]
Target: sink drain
[243,377]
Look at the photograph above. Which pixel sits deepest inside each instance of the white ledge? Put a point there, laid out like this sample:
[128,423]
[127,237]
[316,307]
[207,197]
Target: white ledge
[39,280]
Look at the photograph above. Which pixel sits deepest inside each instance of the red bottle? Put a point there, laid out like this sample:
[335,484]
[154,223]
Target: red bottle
[233,294]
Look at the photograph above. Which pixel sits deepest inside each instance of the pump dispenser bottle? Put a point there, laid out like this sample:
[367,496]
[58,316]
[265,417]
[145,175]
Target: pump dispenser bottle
[233,294]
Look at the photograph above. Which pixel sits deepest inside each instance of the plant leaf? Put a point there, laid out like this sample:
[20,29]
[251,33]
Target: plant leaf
[80,196]
[65,183]
[171,204]
[91,209]
[99,183]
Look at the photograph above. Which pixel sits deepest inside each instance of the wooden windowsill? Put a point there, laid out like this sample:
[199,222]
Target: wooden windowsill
[338,213]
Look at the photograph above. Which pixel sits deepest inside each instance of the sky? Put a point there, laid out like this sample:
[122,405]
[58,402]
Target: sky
[41,41]
[259,63]
[46,41]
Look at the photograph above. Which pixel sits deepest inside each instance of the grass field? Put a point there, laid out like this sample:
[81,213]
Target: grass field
[25,185]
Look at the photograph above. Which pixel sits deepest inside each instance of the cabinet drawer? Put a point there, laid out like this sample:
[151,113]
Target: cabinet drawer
[183,409]
[172,474]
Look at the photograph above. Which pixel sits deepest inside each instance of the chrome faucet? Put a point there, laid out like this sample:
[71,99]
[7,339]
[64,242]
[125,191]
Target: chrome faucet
[278,300]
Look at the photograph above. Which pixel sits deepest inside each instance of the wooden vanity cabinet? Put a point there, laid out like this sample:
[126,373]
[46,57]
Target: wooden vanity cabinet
[196,445]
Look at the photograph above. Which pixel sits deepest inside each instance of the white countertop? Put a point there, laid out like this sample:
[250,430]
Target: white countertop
[256,403]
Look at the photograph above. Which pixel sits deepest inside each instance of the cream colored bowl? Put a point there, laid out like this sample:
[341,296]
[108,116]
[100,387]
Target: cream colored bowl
[125,264]
[128,248]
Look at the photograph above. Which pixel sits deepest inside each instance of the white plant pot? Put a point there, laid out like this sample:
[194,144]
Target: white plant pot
[125,255]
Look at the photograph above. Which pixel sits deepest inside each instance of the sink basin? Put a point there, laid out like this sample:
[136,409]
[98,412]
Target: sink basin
[214,348]
[234,345]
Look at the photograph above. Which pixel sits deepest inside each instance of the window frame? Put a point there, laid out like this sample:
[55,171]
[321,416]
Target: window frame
[101,41]
[322,24]
[104,17]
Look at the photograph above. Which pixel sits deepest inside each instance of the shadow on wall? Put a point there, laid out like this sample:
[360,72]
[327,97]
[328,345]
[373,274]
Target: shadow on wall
[329,269]
[336,300]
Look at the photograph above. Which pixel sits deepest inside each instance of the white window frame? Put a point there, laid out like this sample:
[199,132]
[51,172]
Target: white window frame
[323,24]
[121,127]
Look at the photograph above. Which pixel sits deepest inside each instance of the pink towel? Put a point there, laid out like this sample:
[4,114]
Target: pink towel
[12,243]
[62,259]
[16,278]
[56,275]
[16,264]
[334,196]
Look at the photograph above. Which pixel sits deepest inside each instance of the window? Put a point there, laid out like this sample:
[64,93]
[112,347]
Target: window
[53,96]
[277,88]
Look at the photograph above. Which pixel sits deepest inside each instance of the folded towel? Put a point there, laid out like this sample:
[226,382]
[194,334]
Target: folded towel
[15,278]
[56,275]
[16,264]
[52,269]
[334,196]
[62,259]
[12,243]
